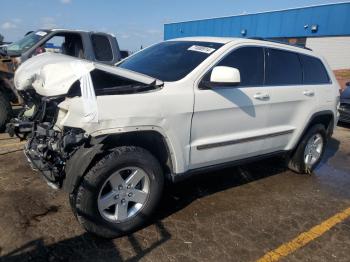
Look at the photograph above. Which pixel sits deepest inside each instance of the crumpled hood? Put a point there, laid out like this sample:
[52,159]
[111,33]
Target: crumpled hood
[53,74]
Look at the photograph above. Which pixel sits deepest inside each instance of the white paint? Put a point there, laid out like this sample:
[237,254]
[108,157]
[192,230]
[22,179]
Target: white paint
[225,74]
[187,116]
[51,74]
[336,50]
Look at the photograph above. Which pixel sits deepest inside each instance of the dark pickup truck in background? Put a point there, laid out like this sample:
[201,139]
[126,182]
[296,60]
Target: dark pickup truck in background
[93,46]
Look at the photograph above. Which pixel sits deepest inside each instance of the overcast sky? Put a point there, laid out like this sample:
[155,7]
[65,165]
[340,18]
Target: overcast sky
[134,22]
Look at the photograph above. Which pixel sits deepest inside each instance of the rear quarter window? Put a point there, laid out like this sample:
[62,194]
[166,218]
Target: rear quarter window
[314,70]
[102,47]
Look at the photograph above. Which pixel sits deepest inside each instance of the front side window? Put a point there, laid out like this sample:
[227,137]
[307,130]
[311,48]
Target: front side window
[170,60]
[250,63]
[283,68]
[314,71]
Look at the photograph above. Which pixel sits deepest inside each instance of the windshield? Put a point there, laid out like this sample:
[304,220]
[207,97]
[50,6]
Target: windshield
[25,43]
[171,60]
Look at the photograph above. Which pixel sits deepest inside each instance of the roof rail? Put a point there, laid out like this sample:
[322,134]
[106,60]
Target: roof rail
[279,42]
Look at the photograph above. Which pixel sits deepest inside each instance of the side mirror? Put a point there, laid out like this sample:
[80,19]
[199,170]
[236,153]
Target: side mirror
[223,76]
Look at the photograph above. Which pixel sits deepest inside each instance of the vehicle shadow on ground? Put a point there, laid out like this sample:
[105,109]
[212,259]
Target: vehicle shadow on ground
[83,248]
[331,150]
[89,248]
[182,194]
[176,197]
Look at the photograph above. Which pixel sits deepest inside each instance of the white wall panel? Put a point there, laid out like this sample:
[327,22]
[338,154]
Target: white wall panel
[336,50]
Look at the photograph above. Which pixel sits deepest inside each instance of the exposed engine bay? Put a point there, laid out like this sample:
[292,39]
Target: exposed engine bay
[50,144]
[48,147]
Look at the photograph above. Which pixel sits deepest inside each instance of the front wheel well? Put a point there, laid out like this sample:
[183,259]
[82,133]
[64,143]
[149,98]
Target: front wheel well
[152,141]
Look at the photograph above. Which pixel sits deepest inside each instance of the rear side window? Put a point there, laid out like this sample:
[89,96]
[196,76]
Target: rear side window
[250,63]
[283,68]
[102,47]
[314,70]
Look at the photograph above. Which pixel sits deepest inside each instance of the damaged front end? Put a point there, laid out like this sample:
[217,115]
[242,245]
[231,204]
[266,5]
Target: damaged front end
[48,84]
[48,147]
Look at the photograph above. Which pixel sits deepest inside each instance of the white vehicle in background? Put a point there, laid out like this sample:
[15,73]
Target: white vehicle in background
[110,136]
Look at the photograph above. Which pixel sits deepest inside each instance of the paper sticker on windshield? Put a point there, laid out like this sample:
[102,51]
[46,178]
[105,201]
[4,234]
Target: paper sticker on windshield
[202,49]
[41,33]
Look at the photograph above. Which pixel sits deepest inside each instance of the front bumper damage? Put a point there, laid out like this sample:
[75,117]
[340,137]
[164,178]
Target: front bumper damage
[48,148]
[60,96]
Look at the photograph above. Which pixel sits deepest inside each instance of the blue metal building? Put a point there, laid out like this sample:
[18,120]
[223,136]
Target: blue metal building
[324,20]
[325,28]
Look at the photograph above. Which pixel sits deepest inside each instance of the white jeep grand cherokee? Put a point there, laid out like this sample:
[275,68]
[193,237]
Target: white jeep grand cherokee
[110,136]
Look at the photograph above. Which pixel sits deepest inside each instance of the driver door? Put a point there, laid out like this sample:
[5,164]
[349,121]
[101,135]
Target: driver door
[230,122]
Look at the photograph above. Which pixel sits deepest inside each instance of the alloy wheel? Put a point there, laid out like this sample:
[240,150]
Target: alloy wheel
[123,194]
[313,150]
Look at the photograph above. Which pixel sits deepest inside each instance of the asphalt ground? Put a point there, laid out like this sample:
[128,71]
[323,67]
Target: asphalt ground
[257,212]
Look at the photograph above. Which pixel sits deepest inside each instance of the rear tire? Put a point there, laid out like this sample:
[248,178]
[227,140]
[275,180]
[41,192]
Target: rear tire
[104,222]
[313,142]
[5,111]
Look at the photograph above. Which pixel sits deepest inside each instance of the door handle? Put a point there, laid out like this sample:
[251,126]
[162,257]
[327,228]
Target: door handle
[262,96]
[309,93]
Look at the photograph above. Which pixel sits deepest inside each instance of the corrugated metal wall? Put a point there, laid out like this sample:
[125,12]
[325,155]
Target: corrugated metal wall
[336,50]
[332,20]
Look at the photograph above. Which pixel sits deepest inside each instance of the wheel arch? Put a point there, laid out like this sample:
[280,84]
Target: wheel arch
[151,140]
[86,157]
[325,118]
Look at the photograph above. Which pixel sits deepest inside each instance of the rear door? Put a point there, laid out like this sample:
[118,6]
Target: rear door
[291,102]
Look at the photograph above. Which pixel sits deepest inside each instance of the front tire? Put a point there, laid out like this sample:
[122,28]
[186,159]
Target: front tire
[119,194]
[310,150]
